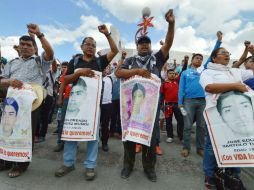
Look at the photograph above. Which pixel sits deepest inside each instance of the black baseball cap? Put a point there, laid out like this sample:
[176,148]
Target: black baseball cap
[143,39]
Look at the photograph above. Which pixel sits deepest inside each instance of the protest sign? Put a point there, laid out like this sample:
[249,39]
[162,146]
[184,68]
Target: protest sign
[231,128]
[82,115]
[139,102]
[15,127]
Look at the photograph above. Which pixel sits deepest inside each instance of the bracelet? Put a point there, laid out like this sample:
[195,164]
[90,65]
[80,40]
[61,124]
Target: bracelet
[123,58]
[108,34]
[40,35]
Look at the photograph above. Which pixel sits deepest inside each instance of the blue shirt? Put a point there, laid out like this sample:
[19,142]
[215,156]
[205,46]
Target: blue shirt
[217,45]
[189,86]
[250,83]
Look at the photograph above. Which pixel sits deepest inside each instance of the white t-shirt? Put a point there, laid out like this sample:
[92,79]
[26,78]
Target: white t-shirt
[108,86]
[217,73]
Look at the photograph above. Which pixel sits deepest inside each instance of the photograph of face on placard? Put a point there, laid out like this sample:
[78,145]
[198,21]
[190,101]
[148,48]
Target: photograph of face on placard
[14,121]
[231,128]
[83,109]
[82,99]
[236,111]
[138,102]
[78,97]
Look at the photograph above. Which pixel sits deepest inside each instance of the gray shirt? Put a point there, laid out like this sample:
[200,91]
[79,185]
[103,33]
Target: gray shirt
[28,70]
[154,66]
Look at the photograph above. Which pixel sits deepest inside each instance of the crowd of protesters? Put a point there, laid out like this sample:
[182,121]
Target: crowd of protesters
[185,91]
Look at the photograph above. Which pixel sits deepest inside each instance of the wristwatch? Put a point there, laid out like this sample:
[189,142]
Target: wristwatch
[40,35]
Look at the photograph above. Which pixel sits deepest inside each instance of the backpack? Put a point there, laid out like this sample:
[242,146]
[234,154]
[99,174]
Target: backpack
[225,180]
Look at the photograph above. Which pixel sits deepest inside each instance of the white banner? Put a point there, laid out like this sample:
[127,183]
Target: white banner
[82,115]
[231,128]
[139,102]
[15,127]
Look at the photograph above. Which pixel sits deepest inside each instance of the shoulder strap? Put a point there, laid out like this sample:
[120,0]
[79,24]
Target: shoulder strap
[98,62]
[111,83]
[13,60]
[102,91]
[51,77]
[38,62]
[76,61]
[132,62]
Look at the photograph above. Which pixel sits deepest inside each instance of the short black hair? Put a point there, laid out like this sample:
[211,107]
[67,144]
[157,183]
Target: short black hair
[170,70]
[138,86]
[84,40]
[12,102]
[28,38]
[143,39]
[215,52]
[81,83]
[227,94]
[196,54]
[65,63]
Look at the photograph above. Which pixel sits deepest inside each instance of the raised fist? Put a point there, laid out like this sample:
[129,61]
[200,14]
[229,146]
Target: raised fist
[246,43]
[103,29]
[170,17]
[34,29]
[219,36]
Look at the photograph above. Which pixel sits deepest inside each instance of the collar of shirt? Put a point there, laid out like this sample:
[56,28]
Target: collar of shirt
[33,56]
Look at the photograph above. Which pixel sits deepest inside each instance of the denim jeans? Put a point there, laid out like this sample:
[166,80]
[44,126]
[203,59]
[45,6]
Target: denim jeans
[194,107]
[179,118]
[157,126]
[209,161]
[70,152]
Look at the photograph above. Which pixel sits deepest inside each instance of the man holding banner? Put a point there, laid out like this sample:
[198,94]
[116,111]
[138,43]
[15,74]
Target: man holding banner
[27,68]
[81,68]
[143,65]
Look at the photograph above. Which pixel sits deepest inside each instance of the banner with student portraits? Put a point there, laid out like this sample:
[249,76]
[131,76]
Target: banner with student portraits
[82,114]
[139,99]
[15,127]
[231,128]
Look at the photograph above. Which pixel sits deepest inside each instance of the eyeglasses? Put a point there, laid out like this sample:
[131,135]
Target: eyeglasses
[224,53]
[90,45]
